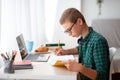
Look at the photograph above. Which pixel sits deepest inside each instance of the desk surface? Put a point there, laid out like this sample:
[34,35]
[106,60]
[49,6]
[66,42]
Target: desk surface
[41,71]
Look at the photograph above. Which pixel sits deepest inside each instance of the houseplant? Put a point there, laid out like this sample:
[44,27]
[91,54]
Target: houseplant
[99,2]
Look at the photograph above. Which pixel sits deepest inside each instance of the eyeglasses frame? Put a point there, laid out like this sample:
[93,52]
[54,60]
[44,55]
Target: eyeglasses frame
[69,29]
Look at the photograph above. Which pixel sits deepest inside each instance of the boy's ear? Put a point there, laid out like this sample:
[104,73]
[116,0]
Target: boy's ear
[79,21]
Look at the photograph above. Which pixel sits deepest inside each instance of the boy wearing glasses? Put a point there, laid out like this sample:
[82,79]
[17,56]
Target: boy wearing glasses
[93,49]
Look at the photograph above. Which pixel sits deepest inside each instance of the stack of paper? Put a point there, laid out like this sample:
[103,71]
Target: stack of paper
[57,60]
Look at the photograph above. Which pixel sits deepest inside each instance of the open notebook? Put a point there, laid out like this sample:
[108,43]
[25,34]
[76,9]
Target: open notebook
[57,60]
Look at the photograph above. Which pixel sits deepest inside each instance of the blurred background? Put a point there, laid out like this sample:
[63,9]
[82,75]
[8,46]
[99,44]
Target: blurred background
[38,20]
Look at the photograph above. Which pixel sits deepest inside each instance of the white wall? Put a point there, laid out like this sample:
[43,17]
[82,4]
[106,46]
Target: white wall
[110,9]
[58,33]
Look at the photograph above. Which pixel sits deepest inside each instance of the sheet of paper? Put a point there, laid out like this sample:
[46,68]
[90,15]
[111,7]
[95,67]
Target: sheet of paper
[57,60]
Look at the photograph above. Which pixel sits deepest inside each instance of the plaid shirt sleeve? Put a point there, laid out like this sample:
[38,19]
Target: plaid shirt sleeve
[101,58]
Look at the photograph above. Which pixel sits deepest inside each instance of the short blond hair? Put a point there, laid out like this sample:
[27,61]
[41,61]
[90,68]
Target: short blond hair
[71,14]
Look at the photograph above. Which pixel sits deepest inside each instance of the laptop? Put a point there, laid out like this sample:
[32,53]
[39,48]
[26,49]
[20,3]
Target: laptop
[33,56]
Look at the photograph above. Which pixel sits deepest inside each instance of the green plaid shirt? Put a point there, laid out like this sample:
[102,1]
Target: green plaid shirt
[94,54]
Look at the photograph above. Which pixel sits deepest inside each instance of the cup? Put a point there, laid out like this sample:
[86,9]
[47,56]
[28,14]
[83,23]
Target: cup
[29,45]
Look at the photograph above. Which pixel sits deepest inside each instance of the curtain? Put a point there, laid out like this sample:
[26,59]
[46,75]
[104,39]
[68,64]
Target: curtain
[21,16]
[50,16]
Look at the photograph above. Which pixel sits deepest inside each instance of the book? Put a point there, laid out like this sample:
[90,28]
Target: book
[24,64]
[57,60]
[54,44]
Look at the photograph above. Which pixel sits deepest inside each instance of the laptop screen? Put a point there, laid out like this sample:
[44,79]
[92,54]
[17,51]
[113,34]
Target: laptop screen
[21,45]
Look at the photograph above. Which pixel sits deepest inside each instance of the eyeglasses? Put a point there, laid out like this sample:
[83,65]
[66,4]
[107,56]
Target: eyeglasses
[69,29]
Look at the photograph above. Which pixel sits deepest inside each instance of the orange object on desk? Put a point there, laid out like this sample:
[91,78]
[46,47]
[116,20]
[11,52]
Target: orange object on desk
[42,49]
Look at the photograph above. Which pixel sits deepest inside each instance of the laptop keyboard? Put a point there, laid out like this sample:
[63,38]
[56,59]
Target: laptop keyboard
[37,57]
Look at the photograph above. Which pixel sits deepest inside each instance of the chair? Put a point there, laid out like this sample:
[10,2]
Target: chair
[112,51]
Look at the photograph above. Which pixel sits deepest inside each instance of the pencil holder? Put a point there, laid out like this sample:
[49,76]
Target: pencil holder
[9,67]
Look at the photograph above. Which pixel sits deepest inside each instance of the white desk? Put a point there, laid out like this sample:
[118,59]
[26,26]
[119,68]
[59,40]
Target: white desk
[41,71]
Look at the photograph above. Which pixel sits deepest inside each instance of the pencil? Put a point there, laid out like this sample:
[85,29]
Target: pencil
[59,43]
[14,54]
[7,56]
[3,56]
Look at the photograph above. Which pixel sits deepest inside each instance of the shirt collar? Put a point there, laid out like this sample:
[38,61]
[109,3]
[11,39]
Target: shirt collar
[89,34]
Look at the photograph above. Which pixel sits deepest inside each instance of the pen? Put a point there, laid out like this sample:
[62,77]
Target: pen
[14,54]
[7,56]
[3,56]
[59,45]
